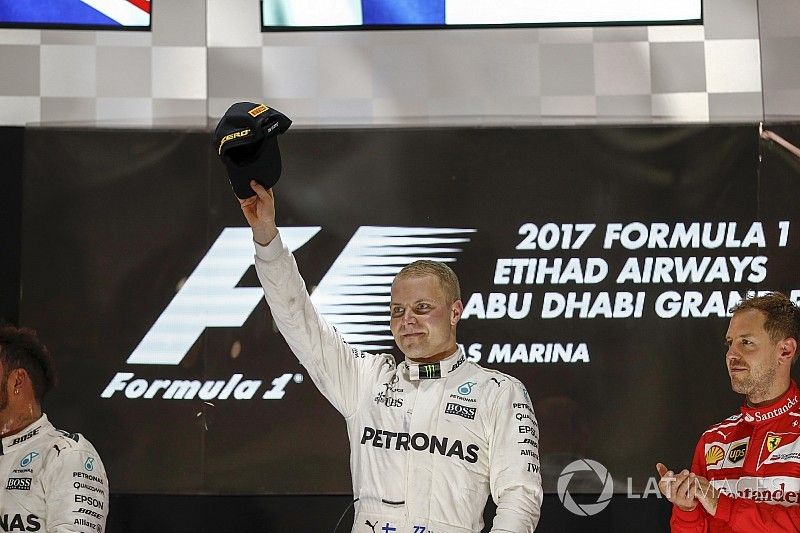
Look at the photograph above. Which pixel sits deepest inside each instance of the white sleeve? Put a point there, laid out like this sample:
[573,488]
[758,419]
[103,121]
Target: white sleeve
[76,490]
[514,474]
[341,372]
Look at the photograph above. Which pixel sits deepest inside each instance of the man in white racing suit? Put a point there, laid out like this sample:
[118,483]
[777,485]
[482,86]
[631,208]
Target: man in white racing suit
[430,438]
[50,480]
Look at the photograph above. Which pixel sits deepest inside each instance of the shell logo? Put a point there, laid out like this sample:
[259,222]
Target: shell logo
[714,455]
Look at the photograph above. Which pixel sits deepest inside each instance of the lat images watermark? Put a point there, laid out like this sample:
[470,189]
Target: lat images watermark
[586,476]
[583,468]
[583,473]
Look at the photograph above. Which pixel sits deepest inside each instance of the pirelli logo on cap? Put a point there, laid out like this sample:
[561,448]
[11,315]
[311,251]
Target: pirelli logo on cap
[232,136]
[258,110]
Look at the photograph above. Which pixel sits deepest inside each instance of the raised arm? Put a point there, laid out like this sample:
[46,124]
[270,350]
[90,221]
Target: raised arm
[259,211]
[341,372]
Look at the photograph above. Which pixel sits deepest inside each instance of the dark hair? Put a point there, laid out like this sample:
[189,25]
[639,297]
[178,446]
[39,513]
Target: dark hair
[447,278]
[783,316]
[21,348]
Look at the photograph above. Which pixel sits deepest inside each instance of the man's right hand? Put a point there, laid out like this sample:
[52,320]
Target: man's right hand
[677,488]
[706,494]
[259,210]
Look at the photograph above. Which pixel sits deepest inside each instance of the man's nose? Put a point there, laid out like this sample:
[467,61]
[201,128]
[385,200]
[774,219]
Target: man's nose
[730,353]
[408,317]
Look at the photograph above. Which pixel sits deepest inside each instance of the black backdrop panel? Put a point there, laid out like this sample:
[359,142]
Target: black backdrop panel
[11,149]
[133,513]
[117,222]
[112,222]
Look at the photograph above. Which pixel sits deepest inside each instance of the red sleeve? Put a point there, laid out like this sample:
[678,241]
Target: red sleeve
[695,521]
[747,516]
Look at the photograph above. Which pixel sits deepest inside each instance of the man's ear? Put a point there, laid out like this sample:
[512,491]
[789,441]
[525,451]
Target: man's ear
[788,350]
[455,312]
[17,378]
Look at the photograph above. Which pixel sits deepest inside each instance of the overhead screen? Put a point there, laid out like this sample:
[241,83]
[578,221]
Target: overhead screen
[76,14]
[596,264]
[389,14]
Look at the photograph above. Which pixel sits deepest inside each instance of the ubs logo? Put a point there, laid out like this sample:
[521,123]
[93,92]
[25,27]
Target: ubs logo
[388,401]
[386,397]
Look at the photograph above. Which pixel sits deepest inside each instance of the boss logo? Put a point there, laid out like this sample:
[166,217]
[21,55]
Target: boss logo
[19,483]
[460,410]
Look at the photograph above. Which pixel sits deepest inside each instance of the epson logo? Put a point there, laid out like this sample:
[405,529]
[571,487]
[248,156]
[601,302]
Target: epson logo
[460,410]
[19,483]
[93,502]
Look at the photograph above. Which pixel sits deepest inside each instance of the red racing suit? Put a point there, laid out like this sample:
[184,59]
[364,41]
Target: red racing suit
[753,459]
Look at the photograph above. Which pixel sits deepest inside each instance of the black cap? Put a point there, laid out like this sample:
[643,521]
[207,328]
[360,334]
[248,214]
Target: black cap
[246,140]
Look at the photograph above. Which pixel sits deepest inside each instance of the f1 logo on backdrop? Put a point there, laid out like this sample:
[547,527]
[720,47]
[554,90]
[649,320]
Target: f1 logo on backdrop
[353,295]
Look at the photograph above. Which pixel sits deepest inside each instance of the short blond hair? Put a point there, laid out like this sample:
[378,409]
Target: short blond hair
[447,278]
